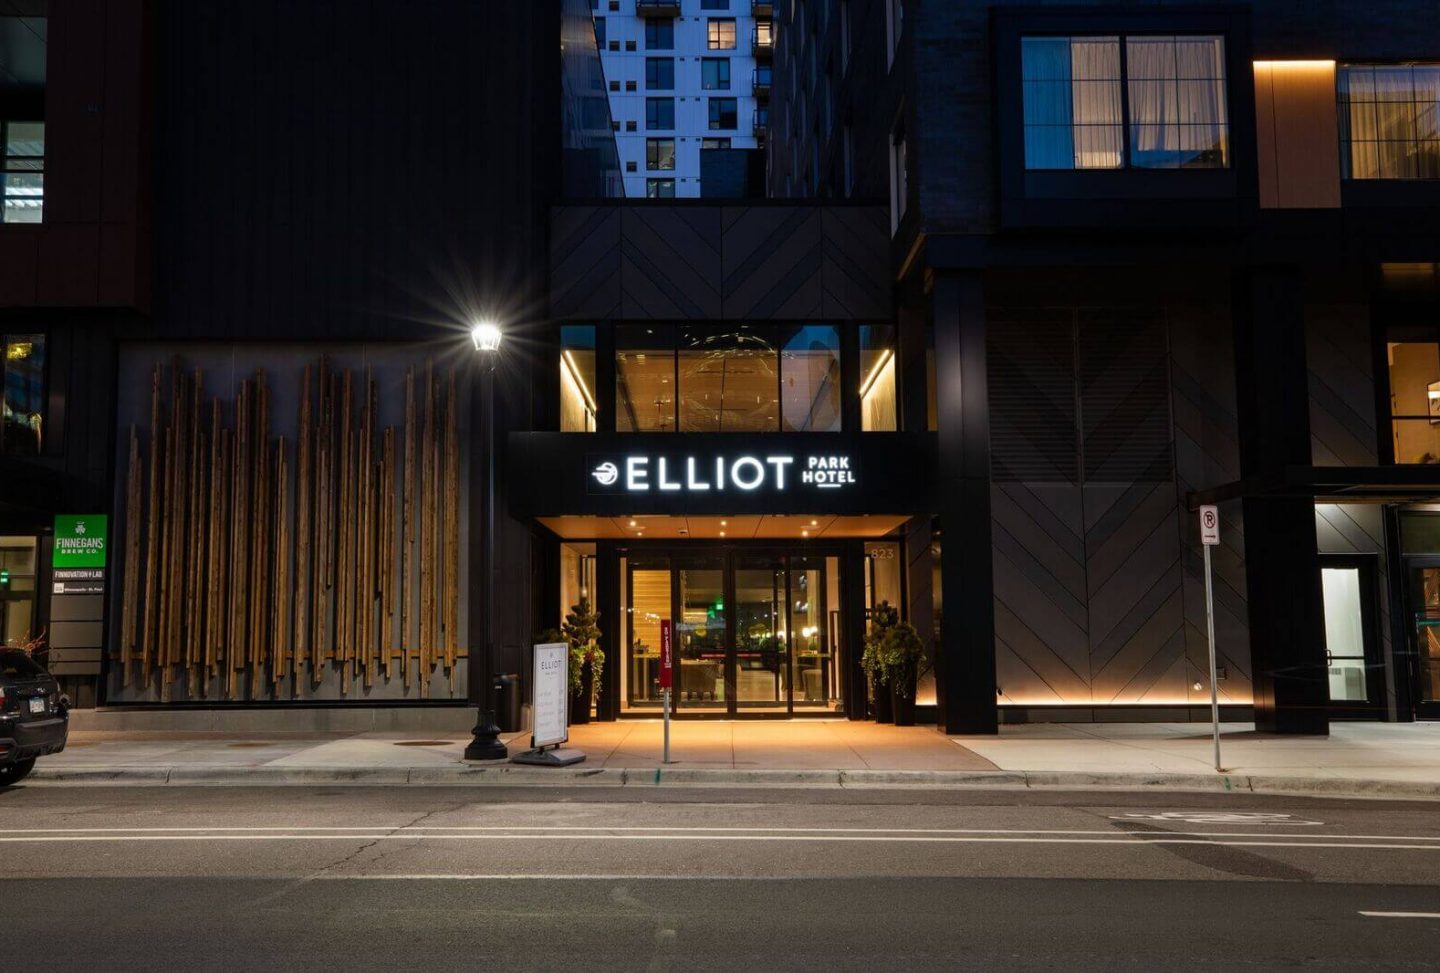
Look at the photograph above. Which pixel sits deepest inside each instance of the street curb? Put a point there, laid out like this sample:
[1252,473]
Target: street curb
[514,775]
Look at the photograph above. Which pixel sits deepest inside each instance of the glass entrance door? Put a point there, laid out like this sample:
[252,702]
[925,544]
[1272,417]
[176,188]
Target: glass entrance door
[704,645]
[1355,673]
[755,633]
[1425,592]
[762,656]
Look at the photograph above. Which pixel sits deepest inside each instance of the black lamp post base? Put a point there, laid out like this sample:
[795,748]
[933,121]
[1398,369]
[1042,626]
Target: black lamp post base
[486,744]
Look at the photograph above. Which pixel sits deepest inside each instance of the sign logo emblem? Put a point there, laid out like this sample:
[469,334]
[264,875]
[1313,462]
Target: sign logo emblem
[79,526]
[606,474]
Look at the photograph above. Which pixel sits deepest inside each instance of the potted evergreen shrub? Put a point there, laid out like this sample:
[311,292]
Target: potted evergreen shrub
[873,659]
[904,655]
[587,661]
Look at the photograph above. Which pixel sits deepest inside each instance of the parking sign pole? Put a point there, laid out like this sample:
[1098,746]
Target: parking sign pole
[667,678]
[1209,537]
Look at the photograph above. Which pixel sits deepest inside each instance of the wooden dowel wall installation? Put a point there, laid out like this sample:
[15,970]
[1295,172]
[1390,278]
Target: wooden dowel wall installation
[130,597]
[304,472]
[250,575]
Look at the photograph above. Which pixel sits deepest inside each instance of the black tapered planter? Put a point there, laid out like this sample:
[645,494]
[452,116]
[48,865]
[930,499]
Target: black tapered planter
[884,704]
[580,704]
[902,698]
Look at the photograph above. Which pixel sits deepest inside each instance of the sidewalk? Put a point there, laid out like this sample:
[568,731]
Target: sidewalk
[1357,759]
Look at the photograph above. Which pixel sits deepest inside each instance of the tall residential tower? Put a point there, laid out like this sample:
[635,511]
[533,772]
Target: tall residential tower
[689,84]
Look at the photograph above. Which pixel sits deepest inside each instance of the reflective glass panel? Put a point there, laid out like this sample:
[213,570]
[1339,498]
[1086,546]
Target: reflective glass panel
[810,378]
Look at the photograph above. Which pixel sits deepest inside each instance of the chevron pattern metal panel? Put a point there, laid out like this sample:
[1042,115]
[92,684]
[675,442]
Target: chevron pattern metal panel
[1343,433]
[645,262]
[1342,385]
[1098,430]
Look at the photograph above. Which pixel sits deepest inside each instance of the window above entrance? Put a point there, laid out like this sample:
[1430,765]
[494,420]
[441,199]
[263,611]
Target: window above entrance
[727,378]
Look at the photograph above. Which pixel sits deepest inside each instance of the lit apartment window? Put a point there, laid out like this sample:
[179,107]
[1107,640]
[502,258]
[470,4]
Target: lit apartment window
[715,73]
[659,113]
[721,35]
[659,35]
[24,171]
[1390,121]
[659,153]
[714,143]
[659,74]
[1074,114]
[23,429]
[659,188]
[724,113]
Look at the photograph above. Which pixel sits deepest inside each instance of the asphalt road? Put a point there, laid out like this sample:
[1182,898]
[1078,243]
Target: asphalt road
[360,878]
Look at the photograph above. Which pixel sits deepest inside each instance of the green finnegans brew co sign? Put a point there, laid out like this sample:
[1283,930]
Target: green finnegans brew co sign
[79,541]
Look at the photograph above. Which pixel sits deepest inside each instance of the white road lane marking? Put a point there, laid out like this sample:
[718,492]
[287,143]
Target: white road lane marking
[1400,915]
[1216,817]
[1128,839]
[682,829]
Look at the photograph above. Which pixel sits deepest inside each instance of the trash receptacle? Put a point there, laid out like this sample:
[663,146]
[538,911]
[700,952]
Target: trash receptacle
[507,702]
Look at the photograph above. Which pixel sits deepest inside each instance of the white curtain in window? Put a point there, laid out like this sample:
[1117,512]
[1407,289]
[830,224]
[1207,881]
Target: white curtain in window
[1095,70]
[1178,115]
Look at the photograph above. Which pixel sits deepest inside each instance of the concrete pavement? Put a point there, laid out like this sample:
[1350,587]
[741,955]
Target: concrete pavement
[1365,759]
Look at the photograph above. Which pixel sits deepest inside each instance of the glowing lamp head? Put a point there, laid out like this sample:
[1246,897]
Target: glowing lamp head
[486,335]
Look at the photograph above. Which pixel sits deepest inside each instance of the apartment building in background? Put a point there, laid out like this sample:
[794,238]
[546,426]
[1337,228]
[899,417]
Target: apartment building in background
[689,85]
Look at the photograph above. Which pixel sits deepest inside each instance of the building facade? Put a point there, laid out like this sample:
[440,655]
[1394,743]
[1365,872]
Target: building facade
[689,84]
[1037,282]
[1165,254]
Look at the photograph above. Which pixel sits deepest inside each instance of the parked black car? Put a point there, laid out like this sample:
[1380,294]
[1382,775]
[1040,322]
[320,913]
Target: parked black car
[34,717]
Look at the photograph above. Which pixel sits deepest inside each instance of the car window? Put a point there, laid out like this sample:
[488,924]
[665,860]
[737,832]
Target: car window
[18,665]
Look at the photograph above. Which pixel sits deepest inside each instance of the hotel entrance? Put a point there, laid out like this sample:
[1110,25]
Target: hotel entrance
[756,632]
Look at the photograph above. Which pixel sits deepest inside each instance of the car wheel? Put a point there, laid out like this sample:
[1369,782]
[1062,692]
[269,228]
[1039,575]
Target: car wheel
[16,772]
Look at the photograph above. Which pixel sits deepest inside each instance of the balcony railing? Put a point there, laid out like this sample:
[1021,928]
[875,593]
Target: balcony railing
[657,8]
[760,82]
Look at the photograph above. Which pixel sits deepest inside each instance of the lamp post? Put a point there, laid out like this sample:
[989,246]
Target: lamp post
[486,744]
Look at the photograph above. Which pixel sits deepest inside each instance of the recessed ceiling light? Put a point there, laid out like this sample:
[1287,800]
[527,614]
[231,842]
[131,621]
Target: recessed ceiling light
[633,523]
[814,523]
[724,523]
[804,533]
[722,533]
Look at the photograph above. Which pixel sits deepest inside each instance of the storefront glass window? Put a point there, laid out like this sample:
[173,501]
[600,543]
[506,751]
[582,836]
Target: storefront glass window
[23,430]
[577,378]
[877,378]
[1415,400]
[810,378]
[644,378]
[729,380]
[17,590]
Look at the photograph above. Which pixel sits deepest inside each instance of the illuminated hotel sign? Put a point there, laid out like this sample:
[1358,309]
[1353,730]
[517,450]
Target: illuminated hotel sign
[766,472]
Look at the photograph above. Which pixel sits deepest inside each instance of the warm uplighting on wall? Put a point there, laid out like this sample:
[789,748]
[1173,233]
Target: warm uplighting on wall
[579,381]
[876,372]
[1312,65]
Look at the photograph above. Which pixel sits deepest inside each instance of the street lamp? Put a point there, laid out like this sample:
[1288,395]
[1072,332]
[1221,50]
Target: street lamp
[486,335]
[486,744]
